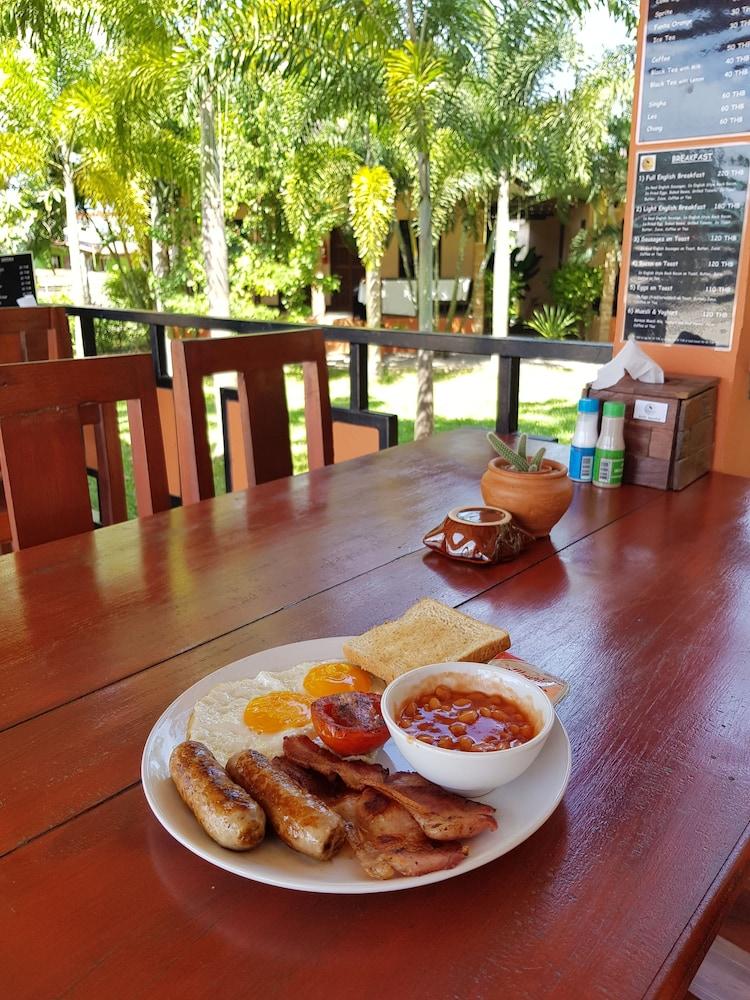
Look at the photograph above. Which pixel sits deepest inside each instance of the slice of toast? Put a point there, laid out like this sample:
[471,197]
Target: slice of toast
[428,632]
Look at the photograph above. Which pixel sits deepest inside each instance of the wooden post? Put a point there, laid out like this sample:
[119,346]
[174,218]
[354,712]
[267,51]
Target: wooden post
[358,377]
[690,168]
[509,371]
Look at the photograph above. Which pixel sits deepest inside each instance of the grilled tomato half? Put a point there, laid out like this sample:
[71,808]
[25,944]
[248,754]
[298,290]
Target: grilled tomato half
[350,723]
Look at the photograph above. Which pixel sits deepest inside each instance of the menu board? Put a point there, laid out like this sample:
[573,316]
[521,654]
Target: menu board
[696,70]
[689,211]
[16,278]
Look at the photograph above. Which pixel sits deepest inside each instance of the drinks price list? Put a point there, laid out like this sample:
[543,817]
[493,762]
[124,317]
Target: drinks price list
[696,70]
[689,211]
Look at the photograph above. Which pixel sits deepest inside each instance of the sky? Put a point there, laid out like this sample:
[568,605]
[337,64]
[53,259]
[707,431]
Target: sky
[598,32]
[601,31]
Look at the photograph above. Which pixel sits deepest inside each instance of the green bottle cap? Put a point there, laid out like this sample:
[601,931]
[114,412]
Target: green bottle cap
[613,410]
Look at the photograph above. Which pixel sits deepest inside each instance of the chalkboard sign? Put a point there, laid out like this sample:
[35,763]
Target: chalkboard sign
[689,211]
[16,278]
[696,70]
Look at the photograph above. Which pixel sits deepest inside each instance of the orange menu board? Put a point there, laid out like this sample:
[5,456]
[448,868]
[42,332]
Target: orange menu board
[685,282]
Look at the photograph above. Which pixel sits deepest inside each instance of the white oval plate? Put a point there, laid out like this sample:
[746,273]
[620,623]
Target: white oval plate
[522,806]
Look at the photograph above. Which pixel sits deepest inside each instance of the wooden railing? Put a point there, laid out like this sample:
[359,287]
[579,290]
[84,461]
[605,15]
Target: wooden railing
[510,350]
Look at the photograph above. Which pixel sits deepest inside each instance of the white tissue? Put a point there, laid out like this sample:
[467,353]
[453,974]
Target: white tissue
[630,361]
[26,300]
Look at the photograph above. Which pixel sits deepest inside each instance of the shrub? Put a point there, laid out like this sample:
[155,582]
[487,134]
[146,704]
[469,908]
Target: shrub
[522,270]
[554,322]
[576,288]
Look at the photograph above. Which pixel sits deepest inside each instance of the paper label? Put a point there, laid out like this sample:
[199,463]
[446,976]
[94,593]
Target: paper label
[581,464]
[608,467]
[647,409]
[554,687]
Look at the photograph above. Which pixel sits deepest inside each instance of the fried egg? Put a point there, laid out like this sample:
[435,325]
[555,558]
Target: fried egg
[258,712]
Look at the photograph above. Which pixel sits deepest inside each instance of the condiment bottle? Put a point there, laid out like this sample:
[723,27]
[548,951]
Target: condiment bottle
[581,465]
[609,457]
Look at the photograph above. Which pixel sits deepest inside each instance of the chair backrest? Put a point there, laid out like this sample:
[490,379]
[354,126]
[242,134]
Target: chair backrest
[36,333]
[42,408]
[259,361]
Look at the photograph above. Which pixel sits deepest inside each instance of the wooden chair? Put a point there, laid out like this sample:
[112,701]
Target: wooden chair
[43,406]
[258,360]
[42,333]
[34,334]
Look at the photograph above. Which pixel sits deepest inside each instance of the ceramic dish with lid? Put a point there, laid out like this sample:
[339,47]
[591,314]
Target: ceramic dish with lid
[471,774]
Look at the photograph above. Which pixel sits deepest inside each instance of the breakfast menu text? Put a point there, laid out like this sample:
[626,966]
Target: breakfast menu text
[689,211]
[16,278]
[696,70]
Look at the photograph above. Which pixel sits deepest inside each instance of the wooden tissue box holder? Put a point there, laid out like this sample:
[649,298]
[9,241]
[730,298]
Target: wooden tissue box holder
[669,428]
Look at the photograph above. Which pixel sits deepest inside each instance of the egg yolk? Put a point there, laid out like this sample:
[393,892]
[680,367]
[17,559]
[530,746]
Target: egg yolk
[279,710]
[334,678]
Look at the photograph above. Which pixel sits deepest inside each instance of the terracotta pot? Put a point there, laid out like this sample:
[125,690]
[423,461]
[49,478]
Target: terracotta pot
[537,500]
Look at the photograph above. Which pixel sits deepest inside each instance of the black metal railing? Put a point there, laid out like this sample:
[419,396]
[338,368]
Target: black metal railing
[510,350]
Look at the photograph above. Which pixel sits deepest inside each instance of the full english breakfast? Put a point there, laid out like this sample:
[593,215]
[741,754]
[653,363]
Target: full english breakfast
[292,751]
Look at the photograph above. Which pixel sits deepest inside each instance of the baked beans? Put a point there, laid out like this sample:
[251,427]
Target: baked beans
[470,721]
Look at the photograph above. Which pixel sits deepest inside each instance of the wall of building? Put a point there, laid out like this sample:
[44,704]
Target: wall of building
[57,286]
[449,250]
[450,247]
[544,236]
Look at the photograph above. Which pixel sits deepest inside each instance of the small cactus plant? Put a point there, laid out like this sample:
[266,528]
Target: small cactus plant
[517,459]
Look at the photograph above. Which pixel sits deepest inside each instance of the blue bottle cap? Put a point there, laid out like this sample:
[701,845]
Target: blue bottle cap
[588,405]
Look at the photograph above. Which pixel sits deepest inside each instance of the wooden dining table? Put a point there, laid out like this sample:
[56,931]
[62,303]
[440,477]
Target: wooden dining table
[640,599]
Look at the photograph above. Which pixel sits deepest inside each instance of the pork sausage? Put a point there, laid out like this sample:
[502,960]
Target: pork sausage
[300,819]
[225,811]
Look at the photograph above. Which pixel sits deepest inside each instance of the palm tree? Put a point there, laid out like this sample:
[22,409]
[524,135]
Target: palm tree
[586,157]
[130,154]
[402,55]
[371,203]
[504,121]
[177,47]
[43,129]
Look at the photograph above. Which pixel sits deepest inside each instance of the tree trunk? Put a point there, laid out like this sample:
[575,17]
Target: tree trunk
[436,287]
[374,300]
[405,260]
[477,271]
[607,301]
[462,240]
[78,272]
[160,264]
[501,269]
[213,234]
[317,302]
[425,418]
[212,211]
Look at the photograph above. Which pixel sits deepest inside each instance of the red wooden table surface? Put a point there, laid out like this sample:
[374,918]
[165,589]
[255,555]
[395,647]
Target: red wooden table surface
[640,599]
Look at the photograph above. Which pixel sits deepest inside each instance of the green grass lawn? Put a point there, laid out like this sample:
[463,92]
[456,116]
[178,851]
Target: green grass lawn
[464,396]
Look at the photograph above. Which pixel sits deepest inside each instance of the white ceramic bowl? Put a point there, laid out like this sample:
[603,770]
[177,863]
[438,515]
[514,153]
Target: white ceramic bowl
[468,773]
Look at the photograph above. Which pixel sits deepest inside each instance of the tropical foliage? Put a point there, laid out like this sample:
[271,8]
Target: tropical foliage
[577,288]
[553,322]
[214,146]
